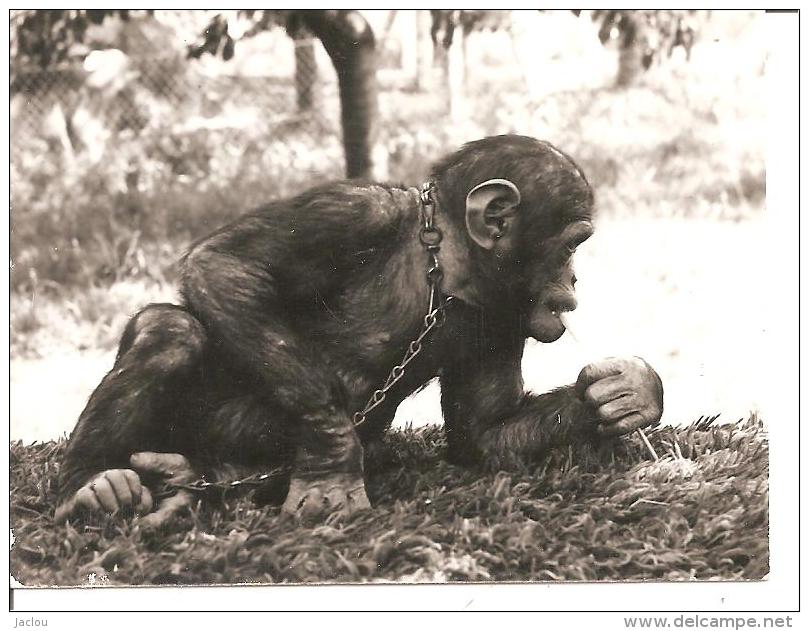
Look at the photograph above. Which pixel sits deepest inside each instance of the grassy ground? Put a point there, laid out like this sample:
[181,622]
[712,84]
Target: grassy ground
[699,513]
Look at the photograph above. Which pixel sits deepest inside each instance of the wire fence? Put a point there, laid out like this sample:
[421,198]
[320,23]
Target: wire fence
[154,113]
[148,94]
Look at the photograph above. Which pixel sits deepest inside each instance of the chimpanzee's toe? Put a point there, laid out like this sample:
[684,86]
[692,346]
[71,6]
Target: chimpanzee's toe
[315,498]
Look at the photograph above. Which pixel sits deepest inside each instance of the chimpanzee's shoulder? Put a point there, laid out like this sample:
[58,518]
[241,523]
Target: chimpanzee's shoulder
[356,197]
[355,188]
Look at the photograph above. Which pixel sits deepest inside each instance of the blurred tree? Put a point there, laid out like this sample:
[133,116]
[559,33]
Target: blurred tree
[49,36]
[45,37]
[305,72]
[644,36]
[423,49]
[42,41]
[451,60]
[451,73]
[215,40]
[350,43]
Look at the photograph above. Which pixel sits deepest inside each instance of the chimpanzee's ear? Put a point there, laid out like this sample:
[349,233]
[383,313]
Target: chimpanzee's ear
[490,208]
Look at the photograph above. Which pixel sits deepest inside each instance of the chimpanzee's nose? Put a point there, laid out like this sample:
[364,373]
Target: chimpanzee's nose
[560,304]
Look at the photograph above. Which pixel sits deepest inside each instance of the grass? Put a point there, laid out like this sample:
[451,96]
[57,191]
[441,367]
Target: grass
[67,319]
[700,513]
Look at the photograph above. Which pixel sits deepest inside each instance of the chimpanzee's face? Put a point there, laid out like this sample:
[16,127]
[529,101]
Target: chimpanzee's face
[550,281]
[525,221]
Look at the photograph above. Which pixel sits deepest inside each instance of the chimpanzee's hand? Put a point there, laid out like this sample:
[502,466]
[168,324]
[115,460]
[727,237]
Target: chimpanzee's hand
[108,492]
[626,394]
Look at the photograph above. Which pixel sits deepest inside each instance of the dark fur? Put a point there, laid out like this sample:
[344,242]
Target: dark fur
[295,312]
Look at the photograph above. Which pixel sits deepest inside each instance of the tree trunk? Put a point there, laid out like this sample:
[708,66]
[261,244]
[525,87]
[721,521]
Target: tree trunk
[350,43]
[442,74]
[630,55]
[305,72]
[456,69]
[424,47]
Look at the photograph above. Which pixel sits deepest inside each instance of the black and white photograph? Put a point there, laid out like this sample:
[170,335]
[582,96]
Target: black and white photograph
[411,296]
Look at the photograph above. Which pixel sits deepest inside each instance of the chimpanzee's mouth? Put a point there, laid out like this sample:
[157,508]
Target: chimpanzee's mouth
[545,322]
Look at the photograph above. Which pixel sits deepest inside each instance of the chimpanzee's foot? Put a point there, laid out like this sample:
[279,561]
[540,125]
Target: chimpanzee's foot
[172,469]
[111,491]
[168,511]
[315,497]
[121,490]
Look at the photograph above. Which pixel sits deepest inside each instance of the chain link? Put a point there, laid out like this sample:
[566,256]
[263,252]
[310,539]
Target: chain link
[430,237]
[432,320]
[201,485]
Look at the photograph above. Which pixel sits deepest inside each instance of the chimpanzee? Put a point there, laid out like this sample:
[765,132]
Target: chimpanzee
[293,314]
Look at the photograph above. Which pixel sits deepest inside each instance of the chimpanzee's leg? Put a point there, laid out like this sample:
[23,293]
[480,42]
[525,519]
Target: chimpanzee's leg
[144,402]
[238,299]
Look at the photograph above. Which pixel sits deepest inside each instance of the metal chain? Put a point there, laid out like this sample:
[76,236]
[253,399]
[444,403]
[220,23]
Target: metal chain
[430,237]
[432,320]
[202,485]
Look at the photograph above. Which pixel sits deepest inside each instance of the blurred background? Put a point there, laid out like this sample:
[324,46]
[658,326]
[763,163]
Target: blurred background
[135,132]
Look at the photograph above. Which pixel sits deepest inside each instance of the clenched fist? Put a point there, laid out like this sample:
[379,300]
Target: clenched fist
[626,394]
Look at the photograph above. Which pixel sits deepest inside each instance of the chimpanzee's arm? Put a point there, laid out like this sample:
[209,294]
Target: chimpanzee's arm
[250,322]
[490,420]
[255,283]
[251,285]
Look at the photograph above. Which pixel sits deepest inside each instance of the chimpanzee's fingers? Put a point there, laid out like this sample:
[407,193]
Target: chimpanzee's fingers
[168,508]
[616,409]
[596,371]
[144,505]
[104,493]
[627,424]
[135,486]
[605,390]
[168,465]
[86,499]
[65,510]
[120,486]
[313,505]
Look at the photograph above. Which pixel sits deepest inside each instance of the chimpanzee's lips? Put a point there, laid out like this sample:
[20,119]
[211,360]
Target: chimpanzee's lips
[546,324]
[558,316]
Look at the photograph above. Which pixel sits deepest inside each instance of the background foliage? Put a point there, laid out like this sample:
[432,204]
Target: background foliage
[150,148]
